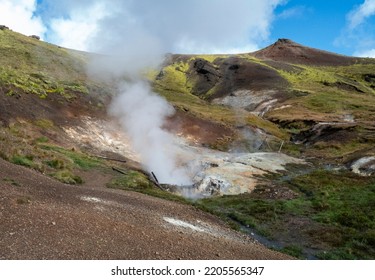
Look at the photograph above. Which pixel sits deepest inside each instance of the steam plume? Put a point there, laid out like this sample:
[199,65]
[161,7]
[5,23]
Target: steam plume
[136,35]
[142,114]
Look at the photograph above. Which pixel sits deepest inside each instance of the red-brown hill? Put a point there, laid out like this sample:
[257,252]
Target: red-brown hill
[286,50]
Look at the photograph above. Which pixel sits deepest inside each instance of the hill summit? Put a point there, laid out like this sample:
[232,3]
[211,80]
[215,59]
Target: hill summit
[286,50]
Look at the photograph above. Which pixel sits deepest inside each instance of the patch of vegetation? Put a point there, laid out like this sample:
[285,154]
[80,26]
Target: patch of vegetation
[23,160]
[44,123]
[56,163]
[325,95]
[35,67]
[309,77]
[132,180]
[293,250]
[209,57]
[11,181]
[174,76]
[67,177]
[336,149]
[42,139]
[80,160]
[137,181]
[23,144]
[334,213]
[23,200]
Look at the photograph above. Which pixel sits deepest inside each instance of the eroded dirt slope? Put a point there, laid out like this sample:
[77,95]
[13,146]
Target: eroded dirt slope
[44,219]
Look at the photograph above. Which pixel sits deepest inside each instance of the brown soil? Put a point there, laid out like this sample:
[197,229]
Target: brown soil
[291,52]
[55,107]
[235,73]
[44,219]
[198,130]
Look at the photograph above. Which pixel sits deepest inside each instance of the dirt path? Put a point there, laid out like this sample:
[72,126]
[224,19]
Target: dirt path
[44,219]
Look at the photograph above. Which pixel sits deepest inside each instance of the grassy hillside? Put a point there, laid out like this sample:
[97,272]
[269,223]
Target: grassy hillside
[305,95]
[32,66]
[325,113]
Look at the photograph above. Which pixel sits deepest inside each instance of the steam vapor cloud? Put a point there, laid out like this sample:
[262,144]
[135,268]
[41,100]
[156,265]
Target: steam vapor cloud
[142,114]
[134,36]
[137,36]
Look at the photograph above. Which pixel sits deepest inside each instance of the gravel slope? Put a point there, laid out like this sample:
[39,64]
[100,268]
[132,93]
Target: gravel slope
[44,219]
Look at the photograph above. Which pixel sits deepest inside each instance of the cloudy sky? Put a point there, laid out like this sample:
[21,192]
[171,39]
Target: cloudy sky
[196,26]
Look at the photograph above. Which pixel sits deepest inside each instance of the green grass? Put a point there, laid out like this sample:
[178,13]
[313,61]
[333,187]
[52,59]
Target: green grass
[293,250]
[44,123]
[132,180]
[337,209]
[42,139]
[36,67]
[137,181]
[22,144]
[79,159]
[325,98]
[23,160]
[67,177]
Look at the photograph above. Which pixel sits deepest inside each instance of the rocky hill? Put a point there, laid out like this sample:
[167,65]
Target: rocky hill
[288,131]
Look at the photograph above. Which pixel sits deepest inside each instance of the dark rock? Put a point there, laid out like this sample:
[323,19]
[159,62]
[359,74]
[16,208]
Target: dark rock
[4,27]
[234,67]
[204,67]
[284,41]
[160,75]
[205,74]
[370,78]
[347,87]
[35,37]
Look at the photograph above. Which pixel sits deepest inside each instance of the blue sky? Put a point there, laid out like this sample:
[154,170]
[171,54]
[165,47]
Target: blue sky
[322,24]
[196,26]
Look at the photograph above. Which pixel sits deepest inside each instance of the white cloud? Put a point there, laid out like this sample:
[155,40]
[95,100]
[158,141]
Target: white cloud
[358,32]
[76,31]
[177,26]
[358,15]
[19,16]
[365,53]
[298,11]
[191,47]
[193,26]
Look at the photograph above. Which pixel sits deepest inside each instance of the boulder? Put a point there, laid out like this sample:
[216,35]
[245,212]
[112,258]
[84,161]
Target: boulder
[35,37]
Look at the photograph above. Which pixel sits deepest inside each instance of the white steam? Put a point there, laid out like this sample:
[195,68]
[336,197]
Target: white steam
[142,114]
[135,35]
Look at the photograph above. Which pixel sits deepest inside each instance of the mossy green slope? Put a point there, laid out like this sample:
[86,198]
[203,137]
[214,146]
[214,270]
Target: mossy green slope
[32,66]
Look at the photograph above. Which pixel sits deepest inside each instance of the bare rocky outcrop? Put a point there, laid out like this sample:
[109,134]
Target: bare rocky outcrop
[205,74]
